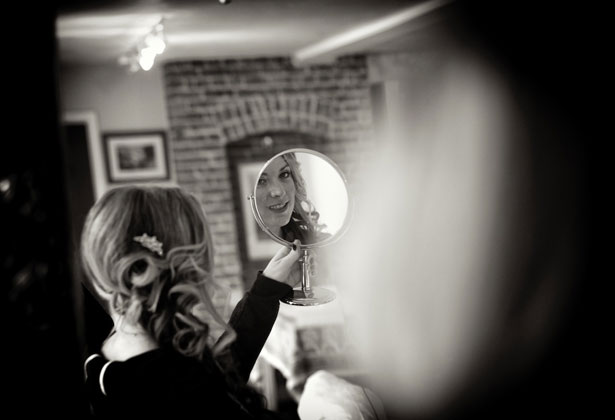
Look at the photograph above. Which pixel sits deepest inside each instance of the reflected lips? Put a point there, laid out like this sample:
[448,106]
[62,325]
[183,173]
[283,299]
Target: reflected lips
[279,208]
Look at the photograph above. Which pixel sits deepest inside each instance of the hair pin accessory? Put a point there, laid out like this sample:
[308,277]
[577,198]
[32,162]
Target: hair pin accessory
[149,242]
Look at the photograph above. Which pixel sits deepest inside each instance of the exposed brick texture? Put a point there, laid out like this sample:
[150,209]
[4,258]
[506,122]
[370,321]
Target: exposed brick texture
[221,110]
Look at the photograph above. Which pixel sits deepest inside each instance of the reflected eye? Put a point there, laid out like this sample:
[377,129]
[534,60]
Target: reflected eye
[285,174]
[261,182]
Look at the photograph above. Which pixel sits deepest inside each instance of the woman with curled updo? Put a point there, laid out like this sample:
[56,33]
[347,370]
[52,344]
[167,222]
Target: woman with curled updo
[147,253]
[283,203]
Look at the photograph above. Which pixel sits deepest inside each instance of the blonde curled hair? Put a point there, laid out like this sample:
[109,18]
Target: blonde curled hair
[168,295]
[305,217]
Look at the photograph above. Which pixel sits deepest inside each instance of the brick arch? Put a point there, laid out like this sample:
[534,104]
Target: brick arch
[252,115]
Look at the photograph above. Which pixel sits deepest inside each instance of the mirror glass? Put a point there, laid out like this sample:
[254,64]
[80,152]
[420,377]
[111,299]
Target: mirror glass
[302,194]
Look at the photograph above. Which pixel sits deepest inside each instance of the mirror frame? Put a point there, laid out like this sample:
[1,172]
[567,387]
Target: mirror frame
[349,209]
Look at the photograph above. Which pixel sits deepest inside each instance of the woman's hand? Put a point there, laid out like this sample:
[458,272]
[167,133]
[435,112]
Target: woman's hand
[283,267]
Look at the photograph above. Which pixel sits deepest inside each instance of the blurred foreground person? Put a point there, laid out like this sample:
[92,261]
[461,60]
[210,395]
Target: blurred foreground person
[464,269]
[148,255]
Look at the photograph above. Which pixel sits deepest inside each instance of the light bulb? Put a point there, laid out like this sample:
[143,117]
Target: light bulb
[146,58]
[155,42]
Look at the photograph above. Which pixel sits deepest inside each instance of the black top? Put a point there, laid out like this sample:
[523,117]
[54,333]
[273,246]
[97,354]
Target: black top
[164,383]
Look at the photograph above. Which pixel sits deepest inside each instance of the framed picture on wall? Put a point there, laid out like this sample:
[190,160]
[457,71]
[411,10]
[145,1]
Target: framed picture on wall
[136,156]
[259,245]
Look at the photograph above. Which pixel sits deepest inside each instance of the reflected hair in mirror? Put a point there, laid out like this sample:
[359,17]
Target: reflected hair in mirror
[304,223]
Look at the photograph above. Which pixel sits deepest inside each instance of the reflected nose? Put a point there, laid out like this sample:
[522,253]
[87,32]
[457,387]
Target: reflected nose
[276,191]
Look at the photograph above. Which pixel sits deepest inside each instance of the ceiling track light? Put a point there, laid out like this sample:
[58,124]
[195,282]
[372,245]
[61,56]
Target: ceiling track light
[143,55]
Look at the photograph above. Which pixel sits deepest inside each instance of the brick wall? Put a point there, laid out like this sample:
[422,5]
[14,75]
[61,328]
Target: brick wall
[214,105]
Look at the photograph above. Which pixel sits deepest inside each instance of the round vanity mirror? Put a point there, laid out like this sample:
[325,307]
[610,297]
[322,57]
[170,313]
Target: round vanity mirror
[302,194]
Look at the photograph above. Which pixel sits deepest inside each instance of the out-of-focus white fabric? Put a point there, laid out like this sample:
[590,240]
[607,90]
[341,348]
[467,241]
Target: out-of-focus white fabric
[329,397]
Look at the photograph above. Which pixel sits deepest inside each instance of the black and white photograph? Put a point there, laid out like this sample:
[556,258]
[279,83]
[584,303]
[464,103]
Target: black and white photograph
[304,209]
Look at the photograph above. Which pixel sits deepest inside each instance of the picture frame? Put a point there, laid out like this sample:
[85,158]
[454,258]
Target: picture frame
[136,156]
[258,244]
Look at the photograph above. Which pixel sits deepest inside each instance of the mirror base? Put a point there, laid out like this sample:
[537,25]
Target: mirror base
[316,296]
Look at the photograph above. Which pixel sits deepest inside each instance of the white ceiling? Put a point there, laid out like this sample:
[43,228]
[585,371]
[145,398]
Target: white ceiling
[98,32]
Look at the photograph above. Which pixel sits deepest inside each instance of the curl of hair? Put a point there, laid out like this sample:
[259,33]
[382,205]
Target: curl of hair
[305,217]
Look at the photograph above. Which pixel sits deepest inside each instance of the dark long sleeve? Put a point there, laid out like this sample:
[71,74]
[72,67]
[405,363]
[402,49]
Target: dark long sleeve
[252,320]
[184,386]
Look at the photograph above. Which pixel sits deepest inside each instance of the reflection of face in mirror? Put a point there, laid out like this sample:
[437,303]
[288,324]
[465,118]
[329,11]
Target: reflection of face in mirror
[282,201]
[275,195]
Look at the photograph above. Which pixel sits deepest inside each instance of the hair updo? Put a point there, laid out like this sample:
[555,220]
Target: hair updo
[169,295]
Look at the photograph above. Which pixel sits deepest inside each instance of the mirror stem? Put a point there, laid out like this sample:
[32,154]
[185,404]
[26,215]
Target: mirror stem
[306,261]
